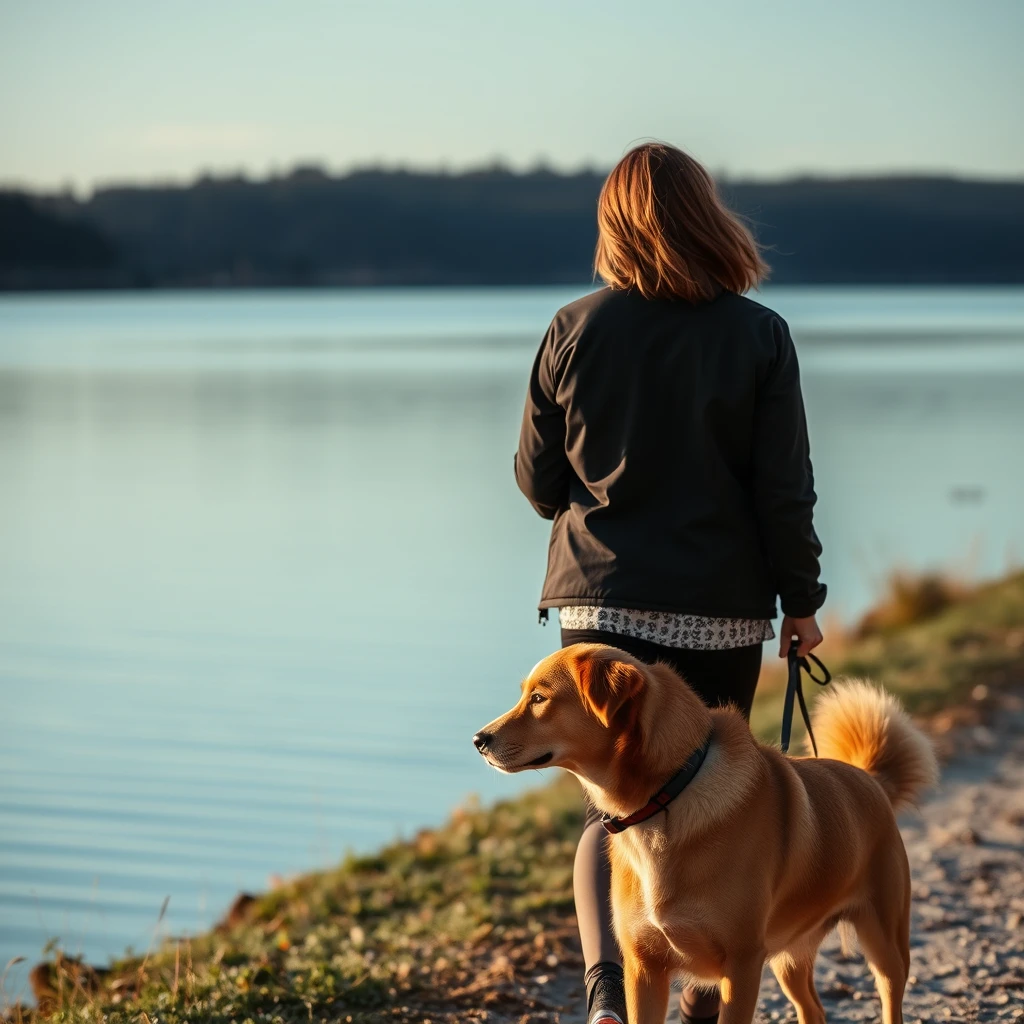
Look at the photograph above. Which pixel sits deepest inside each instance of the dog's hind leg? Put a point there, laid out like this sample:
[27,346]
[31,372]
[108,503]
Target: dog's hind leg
[647,988]
[796,976]
[888,954]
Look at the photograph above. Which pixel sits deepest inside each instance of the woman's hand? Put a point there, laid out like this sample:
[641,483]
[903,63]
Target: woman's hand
[804,631]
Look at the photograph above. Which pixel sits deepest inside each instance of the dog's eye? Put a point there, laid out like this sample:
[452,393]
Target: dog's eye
[537,698]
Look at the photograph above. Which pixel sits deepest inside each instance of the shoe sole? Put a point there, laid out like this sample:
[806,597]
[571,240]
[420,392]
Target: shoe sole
[605,1017]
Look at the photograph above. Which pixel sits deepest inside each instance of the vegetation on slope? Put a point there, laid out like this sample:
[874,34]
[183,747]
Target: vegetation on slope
[472,920]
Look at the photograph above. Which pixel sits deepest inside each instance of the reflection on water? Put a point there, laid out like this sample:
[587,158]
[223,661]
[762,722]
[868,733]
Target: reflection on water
[263,568]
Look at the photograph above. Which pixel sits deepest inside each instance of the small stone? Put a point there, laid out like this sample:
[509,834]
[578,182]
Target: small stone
[984,737]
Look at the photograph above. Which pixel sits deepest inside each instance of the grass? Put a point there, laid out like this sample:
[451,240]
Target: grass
[467,921]
[912,597]
[932,654]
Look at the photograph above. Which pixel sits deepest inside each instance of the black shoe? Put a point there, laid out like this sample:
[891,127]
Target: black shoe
[606,994]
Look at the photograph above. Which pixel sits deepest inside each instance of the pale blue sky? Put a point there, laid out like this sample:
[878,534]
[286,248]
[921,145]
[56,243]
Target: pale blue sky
[95,91]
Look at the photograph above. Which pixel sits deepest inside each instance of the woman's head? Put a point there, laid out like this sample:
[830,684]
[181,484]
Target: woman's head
[663,230]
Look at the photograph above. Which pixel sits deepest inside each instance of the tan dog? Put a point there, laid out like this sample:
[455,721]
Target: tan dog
[760,856]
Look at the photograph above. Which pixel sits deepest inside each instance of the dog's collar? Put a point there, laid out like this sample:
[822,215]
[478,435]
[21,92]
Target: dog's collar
[664,796]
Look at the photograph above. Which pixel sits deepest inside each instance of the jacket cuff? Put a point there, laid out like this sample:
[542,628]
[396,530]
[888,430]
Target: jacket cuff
[803,606]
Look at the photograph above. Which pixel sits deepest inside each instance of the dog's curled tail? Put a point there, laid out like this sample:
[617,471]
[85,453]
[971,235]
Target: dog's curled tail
[863,725]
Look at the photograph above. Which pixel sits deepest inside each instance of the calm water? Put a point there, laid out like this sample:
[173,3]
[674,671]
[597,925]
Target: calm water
[263,568]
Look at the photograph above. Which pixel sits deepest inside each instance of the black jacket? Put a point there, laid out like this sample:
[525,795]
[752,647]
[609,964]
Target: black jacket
[668,444]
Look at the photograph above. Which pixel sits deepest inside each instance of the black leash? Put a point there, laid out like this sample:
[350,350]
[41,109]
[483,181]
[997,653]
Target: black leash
[795,688]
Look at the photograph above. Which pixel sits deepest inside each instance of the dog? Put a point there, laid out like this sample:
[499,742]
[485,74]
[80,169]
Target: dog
[760,856]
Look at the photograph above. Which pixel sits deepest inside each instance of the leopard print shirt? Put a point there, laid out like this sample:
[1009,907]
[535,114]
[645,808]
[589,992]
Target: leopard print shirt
[670,629]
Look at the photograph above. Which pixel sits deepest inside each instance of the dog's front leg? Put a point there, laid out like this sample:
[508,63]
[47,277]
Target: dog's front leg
[740,985]
[647,987]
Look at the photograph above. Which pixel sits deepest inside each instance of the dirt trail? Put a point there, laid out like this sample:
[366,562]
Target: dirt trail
[966,849]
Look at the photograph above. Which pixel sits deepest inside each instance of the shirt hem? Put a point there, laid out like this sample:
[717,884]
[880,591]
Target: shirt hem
[769,612]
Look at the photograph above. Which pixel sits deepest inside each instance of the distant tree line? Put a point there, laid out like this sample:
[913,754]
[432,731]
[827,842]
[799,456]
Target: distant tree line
[488,227]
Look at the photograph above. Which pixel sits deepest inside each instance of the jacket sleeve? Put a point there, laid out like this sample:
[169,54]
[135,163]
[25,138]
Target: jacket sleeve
[784,482]
[541,466]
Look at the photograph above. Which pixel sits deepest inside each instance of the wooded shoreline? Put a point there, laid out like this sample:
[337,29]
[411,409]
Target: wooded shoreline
[487,227]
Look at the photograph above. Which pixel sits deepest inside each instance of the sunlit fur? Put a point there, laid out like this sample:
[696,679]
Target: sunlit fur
[759,857]
[863,725]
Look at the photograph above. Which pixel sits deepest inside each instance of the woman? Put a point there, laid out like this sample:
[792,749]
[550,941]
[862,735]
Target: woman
[664,435]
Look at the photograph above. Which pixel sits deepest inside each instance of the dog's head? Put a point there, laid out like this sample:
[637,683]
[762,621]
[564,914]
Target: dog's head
[579,707]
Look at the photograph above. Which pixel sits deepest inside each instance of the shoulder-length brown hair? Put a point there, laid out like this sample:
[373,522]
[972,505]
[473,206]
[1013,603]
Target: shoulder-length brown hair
[664,230]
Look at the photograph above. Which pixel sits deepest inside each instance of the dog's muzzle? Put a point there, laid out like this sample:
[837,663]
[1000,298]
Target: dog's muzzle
[483,743]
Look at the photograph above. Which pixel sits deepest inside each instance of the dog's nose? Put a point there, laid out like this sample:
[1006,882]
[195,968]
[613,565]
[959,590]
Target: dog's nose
[480,741]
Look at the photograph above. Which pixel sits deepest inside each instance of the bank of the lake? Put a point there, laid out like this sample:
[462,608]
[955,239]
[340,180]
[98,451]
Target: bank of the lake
[264,569]
[474,920]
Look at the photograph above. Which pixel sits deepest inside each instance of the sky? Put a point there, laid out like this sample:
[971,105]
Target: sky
[107,91]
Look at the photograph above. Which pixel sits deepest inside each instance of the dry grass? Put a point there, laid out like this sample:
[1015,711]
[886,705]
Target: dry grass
[971,636]
[910,597]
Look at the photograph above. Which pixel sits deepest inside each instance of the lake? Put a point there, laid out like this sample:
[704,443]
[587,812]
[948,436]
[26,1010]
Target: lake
[264,569]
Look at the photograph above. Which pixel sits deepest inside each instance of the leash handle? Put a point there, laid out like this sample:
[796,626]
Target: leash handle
[795,691]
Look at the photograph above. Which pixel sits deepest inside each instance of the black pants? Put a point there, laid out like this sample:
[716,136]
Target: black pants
[717,677]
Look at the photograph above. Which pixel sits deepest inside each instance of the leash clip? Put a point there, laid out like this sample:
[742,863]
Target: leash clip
[794,688]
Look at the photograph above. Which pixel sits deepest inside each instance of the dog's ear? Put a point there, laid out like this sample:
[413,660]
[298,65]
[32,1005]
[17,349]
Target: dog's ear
[606,684]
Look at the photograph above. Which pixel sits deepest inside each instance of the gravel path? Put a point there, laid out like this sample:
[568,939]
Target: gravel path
[966,849]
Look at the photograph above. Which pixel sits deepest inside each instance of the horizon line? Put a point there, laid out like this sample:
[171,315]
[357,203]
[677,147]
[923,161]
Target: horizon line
[498,165]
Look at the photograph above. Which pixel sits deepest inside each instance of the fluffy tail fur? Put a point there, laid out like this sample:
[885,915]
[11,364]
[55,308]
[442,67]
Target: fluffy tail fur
[864,726]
